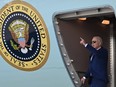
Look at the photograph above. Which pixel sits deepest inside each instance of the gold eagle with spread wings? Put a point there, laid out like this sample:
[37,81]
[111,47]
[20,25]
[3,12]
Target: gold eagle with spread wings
[19,30]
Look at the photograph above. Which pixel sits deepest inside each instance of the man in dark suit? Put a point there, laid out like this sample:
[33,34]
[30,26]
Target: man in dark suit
[97,69]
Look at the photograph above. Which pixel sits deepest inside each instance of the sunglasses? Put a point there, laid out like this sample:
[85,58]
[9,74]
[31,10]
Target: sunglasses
[93,41]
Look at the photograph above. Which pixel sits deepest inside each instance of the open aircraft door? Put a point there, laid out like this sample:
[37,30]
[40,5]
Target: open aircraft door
[69,28]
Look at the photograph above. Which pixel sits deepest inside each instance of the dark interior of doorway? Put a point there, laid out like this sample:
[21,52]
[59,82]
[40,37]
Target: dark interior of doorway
[72,30]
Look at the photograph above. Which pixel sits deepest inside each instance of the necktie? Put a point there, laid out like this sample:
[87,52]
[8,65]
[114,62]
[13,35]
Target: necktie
[91,58]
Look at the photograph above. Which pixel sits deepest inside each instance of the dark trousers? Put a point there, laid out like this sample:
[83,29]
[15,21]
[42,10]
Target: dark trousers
[98,83]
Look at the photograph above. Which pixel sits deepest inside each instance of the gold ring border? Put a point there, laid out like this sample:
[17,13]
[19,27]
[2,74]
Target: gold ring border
[48,40]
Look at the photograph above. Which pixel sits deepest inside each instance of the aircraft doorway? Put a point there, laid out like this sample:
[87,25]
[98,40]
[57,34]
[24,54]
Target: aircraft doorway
[69,28]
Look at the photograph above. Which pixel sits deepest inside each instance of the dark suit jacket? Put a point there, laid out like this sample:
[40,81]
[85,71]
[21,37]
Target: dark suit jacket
[98,64]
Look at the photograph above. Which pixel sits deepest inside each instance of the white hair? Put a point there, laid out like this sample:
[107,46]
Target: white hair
[99,39]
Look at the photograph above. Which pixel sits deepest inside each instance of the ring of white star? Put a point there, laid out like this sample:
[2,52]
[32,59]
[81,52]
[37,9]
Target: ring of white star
[23,15]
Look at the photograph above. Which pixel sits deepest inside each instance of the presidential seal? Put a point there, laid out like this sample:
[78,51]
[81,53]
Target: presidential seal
[24,39]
